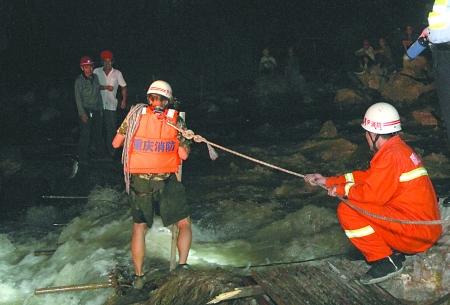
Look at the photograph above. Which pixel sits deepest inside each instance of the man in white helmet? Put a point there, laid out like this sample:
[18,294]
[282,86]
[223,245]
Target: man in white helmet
[396,185]
[152,153]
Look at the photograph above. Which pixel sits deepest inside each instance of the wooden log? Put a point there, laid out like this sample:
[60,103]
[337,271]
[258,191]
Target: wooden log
[238,293]
[72,288]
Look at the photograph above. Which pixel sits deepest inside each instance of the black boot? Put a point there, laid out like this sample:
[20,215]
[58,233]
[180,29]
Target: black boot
[383,269]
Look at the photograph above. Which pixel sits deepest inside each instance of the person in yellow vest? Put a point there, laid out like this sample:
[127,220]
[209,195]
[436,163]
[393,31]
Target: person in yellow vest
[152,154]
[437,36]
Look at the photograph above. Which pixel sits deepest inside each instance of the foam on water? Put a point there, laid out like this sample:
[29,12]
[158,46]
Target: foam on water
[96,241]
[87,249]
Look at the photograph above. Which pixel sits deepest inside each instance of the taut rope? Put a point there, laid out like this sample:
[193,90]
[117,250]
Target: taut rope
[190,135]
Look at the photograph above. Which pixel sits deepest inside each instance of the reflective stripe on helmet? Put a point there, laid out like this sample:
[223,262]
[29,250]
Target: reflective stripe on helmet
[381,118]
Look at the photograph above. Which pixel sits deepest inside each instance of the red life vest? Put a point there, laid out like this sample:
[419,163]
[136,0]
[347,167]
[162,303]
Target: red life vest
[154,147]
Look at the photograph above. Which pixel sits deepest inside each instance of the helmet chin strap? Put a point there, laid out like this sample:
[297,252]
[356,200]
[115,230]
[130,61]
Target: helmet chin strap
[373,146]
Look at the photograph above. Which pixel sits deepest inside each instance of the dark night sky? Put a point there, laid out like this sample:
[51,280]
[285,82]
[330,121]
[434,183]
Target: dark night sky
[180,40]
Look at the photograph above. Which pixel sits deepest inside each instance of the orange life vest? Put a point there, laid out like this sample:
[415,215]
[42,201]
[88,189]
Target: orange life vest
[154,146]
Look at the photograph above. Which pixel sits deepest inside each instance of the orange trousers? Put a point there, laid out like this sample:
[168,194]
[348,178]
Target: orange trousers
[377,239]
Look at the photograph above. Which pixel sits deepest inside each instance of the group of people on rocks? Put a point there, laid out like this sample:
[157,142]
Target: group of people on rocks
[384,55]
[369,56]
[269,65]
[395,187]
[290,72]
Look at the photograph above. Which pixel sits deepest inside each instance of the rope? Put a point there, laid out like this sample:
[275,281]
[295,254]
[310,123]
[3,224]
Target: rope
[132,121]
[190,135]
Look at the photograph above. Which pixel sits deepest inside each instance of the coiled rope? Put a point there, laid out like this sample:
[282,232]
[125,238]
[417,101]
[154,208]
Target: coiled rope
[132,121]
[190,135]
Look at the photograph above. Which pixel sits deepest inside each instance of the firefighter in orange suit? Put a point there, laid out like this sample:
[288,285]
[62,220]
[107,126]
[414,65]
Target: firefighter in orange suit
[396,186]
[151,156]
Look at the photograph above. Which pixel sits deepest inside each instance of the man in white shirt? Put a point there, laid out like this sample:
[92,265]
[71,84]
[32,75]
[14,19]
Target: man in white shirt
[110,79]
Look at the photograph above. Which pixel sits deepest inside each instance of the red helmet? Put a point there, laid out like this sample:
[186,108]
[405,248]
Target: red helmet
[86,60]
[106,54]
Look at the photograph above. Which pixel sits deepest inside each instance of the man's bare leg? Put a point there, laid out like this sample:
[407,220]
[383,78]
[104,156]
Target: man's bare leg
[138,247]
[184,240]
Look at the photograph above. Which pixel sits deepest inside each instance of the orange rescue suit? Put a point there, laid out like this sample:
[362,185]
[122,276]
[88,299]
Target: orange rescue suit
[154,146]
[397,186]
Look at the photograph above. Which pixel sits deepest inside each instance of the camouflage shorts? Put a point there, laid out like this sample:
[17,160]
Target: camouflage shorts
[164,197]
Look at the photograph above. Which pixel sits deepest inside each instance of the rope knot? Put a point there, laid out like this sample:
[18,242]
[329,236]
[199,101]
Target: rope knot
[188,134]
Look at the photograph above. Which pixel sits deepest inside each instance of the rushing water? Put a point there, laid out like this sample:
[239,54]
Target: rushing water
[243,214]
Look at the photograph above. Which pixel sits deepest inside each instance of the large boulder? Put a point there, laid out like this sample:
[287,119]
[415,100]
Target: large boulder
[347,96]
[328,130]
[410,83]
[373,78]
[424,117]
[403,88]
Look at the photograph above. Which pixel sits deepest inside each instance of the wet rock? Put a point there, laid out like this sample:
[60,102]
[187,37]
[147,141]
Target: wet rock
[406,86]
[307,233]
[372,78]
[347,97]
[328,130]
[292,188]
[424,117]
[437,165]
[331,241]
[426,275]
[328,150]
[293,161]
[424,278]
[306,221]
[417,67]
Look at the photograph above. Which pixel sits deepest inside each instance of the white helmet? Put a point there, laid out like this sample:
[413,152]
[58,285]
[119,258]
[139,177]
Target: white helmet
[160,87]
[381,118]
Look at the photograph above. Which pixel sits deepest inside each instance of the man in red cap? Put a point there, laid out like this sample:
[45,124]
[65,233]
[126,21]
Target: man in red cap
[110,79]
[89,106]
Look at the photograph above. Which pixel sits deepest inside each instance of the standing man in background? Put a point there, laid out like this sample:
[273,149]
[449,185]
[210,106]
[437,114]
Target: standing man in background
[89,106]
[110,79]
[438,34]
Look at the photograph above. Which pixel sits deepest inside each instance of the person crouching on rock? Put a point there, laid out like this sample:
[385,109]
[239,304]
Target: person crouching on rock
[396,186]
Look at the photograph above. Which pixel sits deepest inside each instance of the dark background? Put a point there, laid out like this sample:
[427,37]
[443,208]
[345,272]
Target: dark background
[190,43]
